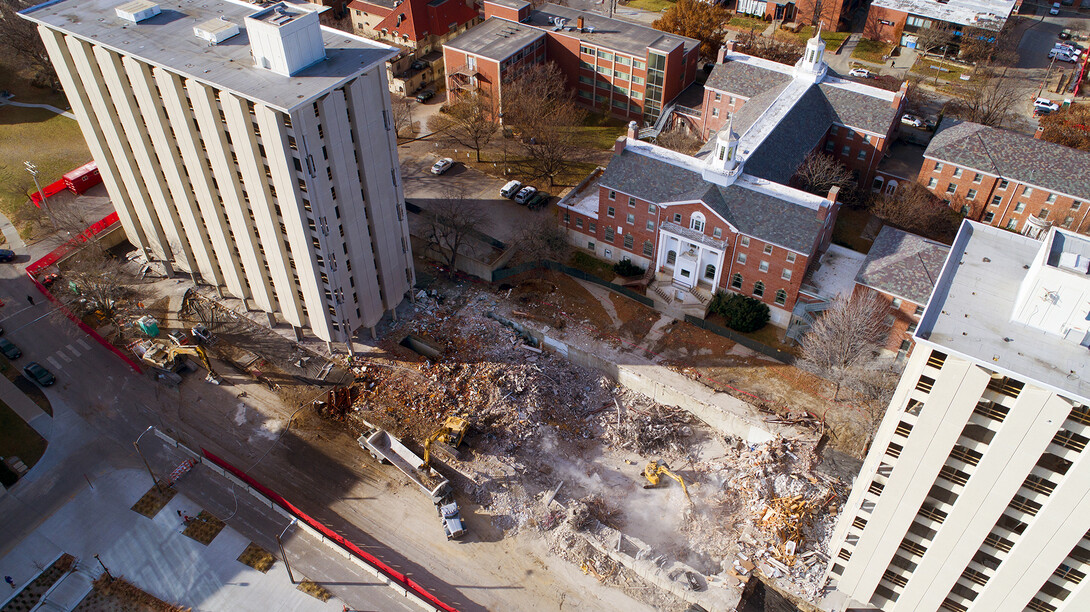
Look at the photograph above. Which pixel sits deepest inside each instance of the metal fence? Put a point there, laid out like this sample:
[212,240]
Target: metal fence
[745,341]
[503,273]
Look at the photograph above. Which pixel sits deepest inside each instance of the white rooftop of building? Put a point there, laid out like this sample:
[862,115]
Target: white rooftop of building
[835,277]
[985,14]
[167,40]
[1017,306]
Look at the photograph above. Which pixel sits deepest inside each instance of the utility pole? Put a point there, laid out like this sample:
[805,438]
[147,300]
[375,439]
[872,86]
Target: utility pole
[33,170]
[283,553]
[104,568]
[146,464]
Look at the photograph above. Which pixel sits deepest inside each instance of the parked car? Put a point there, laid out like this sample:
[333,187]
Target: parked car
[913,120]
[862,73]
[524,194]
[1045,103]
[1055,10]
[40,375]
[1062,55]
[1068,48]
[442,165]
[510,189]
[1065,34]
[540,200]
[425,95]
[7,255]
[1040,111]
[9,350]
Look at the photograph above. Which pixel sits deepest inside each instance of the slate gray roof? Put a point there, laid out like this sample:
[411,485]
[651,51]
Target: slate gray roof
[755,214]
[623,36]
[903,264]
[744,79]
[756,106]
[1012,156]
[794,136]
[859,110]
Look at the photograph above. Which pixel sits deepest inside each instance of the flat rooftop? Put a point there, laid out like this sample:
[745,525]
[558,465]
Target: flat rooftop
[984,14]
[167,40]
[835,277]
[496,39]
[971,308]
[601,31]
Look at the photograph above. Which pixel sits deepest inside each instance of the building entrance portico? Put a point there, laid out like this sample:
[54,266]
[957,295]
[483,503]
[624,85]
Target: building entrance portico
[689,261]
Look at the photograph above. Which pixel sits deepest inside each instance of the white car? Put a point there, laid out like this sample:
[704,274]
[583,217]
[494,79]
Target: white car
[442,165]
[524,195]
[1046,103]
[510,189]
[862,73]
[913,120]
[1055,10]
[1062,55]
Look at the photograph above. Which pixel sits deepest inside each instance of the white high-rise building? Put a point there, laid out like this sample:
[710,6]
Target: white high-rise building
[975,495]
[246,145]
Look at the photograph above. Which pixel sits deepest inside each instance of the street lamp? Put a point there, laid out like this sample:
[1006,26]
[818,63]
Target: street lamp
[104,568]
[33,170]
[146,464]
[283,554]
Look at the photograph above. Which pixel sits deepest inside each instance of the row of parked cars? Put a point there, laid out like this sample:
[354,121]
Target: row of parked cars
[525,195]
[1066,52]
[33,370]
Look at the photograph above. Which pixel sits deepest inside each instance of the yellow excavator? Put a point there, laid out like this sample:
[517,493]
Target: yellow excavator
[654,471]
[448,436]
[163,356]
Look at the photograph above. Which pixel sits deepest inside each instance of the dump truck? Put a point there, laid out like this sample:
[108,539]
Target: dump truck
[388,449]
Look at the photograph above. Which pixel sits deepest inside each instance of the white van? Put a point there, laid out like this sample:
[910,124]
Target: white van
[510,189]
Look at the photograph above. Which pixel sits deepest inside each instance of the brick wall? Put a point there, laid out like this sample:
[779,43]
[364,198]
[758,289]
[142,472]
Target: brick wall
[874,29]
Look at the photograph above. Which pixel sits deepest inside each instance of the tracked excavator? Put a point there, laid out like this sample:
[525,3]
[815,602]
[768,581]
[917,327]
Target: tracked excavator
[654,471]
[448,437]
[163,356]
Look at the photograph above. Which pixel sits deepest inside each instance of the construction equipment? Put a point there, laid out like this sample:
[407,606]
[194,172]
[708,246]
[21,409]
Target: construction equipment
[447,438]
[164,357]
[654,471]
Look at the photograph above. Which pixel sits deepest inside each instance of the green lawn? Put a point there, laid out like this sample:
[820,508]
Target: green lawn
[871,50]
[17,82]
[592,265]
[832,39]
[655,6]
[52,142]
[745,24]
[17,439]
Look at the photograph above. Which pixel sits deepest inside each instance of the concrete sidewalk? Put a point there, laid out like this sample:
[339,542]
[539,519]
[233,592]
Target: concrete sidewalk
[153,554]
[25,408]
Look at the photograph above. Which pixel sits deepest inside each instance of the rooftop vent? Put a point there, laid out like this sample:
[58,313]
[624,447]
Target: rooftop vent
[216,31]
[1075,262]
[137,10]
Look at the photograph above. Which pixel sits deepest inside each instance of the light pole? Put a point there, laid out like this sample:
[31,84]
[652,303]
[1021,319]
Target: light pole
[146,464]
[33,170]
[283,554]
[503,137]
[104,568]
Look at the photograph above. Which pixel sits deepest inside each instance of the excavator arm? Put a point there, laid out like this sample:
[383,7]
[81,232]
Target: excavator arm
[200,354]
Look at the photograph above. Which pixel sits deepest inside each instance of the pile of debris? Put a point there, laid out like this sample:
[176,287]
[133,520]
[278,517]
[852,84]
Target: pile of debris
[651,429]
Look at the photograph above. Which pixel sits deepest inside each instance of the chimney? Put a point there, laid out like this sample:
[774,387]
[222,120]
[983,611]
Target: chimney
[899,97]
[618,147]
[633,130]
[1039,133]
[579,22]
[823,210]
[724,49]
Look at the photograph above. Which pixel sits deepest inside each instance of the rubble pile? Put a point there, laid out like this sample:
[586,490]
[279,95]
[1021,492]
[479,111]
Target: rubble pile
[650,430]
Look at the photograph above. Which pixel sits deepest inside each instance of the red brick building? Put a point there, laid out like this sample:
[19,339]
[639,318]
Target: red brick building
[898,21]
[615,67]
[902,269]
[418,28]
[834,14]
[848,120]
[1007,179]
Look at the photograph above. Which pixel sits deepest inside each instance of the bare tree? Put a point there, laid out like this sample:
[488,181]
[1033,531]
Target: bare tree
[556,144]
[99,284]
[845,338]
[677,139]
[402,112]
[539,106]
[819,172]
[534,96]
[22,42]
[467,122]
[988,99]
[913,208]
[544,239]
[935,37]
[453,220]
[780,51]
[917,99]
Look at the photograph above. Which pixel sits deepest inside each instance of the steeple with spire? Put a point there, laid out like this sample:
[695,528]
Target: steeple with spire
[722,165]
[812,66]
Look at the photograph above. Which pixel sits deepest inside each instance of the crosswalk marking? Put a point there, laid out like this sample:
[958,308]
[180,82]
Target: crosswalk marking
[73,350]
[85,346]
[66,358]
[53,362]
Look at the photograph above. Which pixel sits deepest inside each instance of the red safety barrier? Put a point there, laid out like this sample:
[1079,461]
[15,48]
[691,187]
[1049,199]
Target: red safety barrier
[394,575]
[58,253]
[50,190]
[53,257]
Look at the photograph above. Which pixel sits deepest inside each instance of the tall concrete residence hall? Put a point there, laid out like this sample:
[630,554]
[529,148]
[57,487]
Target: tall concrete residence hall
[975,495]
[246,146]
[616,68]
[727,218]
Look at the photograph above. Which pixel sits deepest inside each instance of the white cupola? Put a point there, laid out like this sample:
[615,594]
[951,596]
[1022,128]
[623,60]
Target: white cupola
[812,66]
[722,165]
